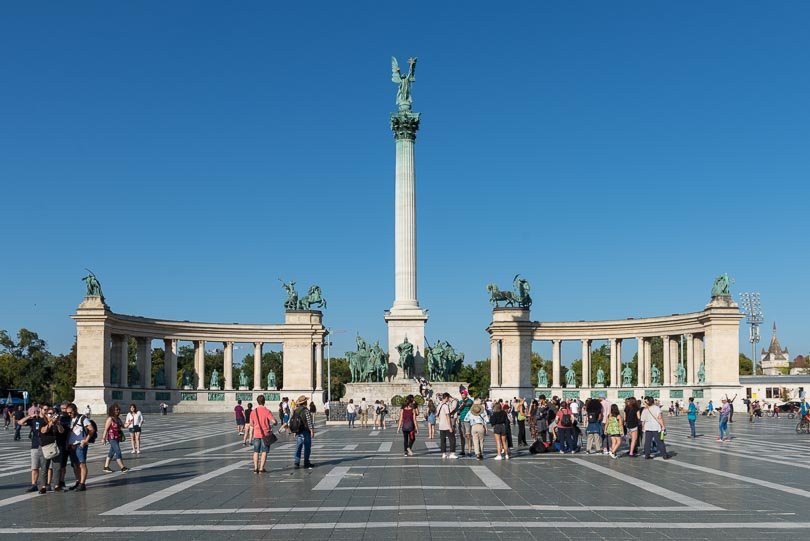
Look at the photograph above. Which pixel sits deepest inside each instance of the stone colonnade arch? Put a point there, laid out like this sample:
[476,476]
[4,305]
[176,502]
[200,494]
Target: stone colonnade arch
[102,356]
[712,341]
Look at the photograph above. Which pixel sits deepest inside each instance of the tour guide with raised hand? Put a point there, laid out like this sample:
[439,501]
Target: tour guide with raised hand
[302,425]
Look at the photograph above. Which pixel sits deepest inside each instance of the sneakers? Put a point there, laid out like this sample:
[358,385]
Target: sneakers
[107,469]
[75,486]
[410,452]
[59,487]
[452,455]
[507,457]
[82,487]
[498,457]
[32,488]
[43,490]
[124,469]
[613,455]
[480,457]
[309,466]
[444,455]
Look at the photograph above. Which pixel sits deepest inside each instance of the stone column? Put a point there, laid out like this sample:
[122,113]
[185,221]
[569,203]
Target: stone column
[257,366]
[494,363]
[586,362]
[642,362]
[228,365]
[199,363]
[318,367]
[170,362]
[93,338]
[613,373]
[699,355]
[555,363]
[667,369]
[648,361]
[618,362]
[691,370]
[144,361]
[120,356]
[405,318]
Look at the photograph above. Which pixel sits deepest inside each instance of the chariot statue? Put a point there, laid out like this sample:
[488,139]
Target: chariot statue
[291,303]
[518,296]
[314,296]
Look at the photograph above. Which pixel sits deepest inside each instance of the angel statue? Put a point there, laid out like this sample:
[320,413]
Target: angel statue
[404,98]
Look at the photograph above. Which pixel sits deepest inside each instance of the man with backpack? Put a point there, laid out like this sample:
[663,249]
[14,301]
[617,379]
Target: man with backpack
[302,425]
[565,428]
[82,433]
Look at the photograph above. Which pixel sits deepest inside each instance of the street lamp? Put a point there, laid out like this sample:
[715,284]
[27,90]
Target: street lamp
[753,312]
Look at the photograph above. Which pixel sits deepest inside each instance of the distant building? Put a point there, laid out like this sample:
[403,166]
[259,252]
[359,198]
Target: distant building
[800,366]
[775,361]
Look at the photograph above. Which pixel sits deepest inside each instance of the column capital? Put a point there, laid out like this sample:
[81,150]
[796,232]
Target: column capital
[689,336]
[556,340]
[404,125]
[258,344]
[665,338]
[227,343]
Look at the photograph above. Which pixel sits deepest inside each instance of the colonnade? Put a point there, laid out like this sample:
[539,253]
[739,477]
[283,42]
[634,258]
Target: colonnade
[693,357]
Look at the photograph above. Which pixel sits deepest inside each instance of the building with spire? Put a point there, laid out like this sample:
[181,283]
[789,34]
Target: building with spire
[775,361]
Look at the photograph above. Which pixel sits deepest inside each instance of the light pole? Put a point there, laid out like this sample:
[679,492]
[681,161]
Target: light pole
[753,312]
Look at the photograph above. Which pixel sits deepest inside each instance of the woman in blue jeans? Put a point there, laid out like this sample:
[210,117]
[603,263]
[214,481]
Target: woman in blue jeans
[113,429]
[725,411]
[691,416]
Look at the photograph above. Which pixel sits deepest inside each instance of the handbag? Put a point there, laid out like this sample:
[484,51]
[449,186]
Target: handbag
[50,451]
[269,439]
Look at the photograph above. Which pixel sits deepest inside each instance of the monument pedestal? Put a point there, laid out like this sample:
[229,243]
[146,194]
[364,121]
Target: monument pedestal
[408,324]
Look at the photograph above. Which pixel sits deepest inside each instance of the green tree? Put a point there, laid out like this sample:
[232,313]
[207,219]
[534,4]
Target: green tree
[478,376]
[340,376]
[64,376]
[27,364]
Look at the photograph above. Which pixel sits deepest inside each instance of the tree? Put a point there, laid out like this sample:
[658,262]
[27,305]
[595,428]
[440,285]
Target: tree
[64,376]
[27,364]
[746,366]
[340,375]
[478,376]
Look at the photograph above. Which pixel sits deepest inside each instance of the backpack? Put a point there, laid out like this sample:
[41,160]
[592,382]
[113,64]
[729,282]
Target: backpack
[567,420]
[93,436]
[297,422]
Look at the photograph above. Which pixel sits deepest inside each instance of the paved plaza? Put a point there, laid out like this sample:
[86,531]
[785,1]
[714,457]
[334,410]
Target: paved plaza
[193,480]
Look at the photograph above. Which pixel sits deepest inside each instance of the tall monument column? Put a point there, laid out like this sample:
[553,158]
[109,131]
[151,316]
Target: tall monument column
[405,319]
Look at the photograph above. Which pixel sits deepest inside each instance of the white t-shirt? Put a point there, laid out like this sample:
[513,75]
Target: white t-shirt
[445,423]
[575,407]
[650,419]
[134,419]
[77,433]
[363,406]
[350,408]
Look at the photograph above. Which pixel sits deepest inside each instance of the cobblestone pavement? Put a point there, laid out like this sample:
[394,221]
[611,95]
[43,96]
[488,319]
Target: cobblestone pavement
[194,480]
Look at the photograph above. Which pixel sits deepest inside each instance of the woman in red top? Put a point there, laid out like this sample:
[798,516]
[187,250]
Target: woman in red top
[113,428]
[407,423]
[565,427]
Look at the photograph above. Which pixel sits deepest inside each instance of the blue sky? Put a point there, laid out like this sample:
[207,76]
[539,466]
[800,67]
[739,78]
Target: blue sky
[618,155]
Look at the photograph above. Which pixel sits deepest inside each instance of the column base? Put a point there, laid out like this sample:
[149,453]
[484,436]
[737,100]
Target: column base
[404,323]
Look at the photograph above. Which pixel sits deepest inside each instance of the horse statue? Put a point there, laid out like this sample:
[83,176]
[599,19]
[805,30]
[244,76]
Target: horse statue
[519,296]
[496,296]
[360,361]
[313,296]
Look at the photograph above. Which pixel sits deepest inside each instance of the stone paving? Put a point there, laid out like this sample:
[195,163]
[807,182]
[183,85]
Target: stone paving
[193,480]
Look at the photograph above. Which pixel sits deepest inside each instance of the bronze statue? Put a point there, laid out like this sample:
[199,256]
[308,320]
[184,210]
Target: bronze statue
[404,99]
[627,376]
[722,286]
[271,380]
[93,285]
[406,358]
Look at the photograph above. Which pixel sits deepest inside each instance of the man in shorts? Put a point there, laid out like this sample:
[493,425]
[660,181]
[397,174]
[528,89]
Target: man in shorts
[364,413]
[78,439]
[260,420]
[464,427]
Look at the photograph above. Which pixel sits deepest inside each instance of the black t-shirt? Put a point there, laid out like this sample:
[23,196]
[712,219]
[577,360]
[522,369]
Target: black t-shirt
[631,416]
[18,415]
[36,423]
[48,437]
[61,439]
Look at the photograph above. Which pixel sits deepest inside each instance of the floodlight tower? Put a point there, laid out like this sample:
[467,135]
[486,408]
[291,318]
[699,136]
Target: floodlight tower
[753,312]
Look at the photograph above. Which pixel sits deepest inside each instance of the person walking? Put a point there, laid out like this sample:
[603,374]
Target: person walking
[478,429]
[500,423]
[260,421]
[18,416]
[431,419]
[725,415]
[239,413]
[384,413]
[691,416]
[302,425]
[351,412]
[6,417]
[710,409]
[631,422]
[134,422]
[652,423]
[614,428]
[248,437]
[407,424]
[111,435]
[446,433]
